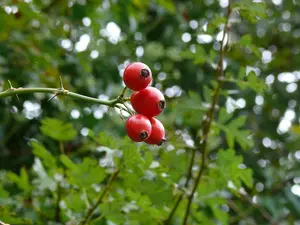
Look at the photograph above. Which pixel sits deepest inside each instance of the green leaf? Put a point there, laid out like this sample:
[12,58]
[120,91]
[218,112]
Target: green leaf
[246,40]
[255,83]
[68,162]
[215,23]
[40,151]
[104,139]
[22,181]
[224,116]
[296,129]
[253,11]
[11,218]
[199,57]
[84,174]
[191,108]
[242,73]
[154,50]
[228,166]
[58,130]
[112,211]
[43,180]
[167,4]
[74,201]
[132,158]
[234,132]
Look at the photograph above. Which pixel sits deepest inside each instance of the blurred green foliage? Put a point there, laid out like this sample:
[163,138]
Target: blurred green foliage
[57,157]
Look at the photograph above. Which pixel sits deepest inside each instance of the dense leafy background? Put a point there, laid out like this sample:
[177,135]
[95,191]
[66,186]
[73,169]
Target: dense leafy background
[252,174]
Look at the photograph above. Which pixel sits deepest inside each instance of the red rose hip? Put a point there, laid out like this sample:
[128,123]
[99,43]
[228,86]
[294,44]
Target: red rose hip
[157,136]
[137,76]
[138,128]
[149,101]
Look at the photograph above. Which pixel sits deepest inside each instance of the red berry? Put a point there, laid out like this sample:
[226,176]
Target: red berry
[149,101]
[157,136]
[137,76]
[138,128]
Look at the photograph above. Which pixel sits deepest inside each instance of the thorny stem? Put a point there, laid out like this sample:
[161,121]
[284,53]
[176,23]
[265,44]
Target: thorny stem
[60,91]
[202,146]
[100,199]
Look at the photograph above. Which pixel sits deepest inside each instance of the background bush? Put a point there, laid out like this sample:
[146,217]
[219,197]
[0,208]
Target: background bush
[63,161]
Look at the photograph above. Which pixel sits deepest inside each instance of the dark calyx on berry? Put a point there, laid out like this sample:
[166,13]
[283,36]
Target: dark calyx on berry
[145,73]
[144,135]
[161,142]
[161,104]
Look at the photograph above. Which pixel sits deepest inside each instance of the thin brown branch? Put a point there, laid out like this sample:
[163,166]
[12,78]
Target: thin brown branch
[100,199]
[179,199]
[57,208]
[209,118]
[266,215]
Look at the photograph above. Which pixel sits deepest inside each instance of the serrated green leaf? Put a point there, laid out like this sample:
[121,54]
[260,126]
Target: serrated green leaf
[40,151]
[237,123]
[228,166]
[68,162]
[255,83]
[21,181]
[104,139]
[224,116]
[113,211]
[233,130]
[132,158]
[252,11]
[84,174]
[43,180]
[58,130]
[11,218]
[221,215]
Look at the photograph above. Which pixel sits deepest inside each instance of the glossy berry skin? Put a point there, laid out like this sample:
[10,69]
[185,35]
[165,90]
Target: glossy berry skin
[149,102]
[137,76]
[138,128]
[157,136]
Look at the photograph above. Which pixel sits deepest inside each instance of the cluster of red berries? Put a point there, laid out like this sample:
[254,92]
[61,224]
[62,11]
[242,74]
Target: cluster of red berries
[148,102]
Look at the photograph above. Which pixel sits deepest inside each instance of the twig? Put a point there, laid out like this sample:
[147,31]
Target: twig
[100,199]
[266,215]
[189,176]
[58,91]
[61,147]
[241,214]
[209,118]
[57,209]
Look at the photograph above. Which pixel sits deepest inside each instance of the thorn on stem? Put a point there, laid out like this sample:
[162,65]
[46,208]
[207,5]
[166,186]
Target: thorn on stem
[52,97]
[10,85]
[61,86]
